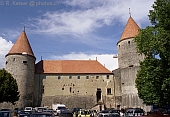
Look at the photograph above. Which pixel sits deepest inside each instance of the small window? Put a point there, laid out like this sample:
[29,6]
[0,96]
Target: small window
[70,89]
[24,62]
[70,77]
[6,62]
[62,88]
[97,77]
[107,76]
[78,77]
[59,77]
[130,65]
[14,59]
[87,77]
[109,91]
[128,42]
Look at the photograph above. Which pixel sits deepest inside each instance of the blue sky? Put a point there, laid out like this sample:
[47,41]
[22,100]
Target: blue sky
[70,29]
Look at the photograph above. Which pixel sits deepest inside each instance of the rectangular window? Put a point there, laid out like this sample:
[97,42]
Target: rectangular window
[109,91]
[78,77]
[25,62]
[70,77]
[87,77]
[59,77]
[70,89]
[107,76]
[97,77]
[14,59]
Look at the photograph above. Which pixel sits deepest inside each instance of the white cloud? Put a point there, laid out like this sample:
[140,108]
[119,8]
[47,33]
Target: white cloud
[106,60]
[92,15]
[118,8]
[10,34]
[4,49]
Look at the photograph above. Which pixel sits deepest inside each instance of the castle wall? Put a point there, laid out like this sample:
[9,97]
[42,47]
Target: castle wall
[21,67]
[118,90]
[127,54]
[75,89]
[128,60]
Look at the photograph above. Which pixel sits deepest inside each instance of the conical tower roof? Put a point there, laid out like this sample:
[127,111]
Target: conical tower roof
[131,29]
[21,46]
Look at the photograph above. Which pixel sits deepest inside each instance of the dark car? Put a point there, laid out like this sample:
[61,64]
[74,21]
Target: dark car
[42,114]
[5,113]
[158,111]
[115,111]
[65,113]
[134,112]
[24,113]
[114,115]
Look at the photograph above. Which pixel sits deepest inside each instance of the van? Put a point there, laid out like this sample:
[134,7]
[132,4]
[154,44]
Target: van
[58,108]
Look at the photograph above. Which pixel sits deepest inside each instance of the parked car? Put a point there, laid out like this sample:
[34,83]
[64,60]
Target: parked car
[42,114]
[75,111]
[28,109]
[115,111]
[65,113]
[134,112]
[93,113]
[159,111]
[5,113]
[114,115]
[83,113]
[58,107]
[40,109]
[24,113]
[103,113]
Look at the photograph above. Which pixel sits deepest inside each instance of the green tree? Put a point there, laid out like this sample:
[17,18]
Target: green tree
[8,88]
[153,77]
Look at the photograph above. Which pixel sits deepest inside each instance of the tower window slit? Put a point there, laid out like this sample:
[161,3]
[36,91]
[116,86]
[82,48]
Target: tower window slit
[25,62]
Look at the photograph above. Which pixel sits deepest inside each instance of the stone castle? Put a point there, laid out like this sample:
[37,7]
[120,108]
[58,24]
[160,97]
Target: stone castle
[76,83]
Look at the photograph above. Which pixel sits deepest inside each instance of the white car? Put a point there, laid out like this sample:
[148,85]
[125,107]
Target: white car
[28,109]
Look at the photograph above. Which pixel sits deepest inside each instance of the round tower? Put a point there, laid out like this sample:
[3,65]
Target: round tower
[128,61]
[20,62]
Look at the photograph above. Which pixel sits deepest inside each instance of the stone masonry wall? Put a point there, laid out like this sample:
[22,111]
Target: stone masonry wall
[22,69]
[74,89]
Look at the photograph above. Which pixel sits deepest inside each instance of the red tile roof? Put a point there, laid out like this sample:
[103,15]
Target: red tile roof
[131,29]
[70,67]
[21,45]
